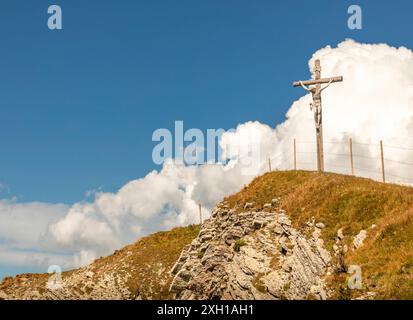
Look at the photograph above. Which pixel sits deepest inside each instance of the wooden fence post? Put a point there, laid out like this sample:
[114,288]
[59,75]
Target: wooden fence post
[295,156]
[382,161]
[350,141]
[269,163]
[200,213]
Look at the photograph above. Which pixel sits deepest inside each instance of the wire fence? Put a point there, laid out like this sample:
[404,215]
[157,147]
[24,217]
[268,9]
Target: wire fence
[379,161]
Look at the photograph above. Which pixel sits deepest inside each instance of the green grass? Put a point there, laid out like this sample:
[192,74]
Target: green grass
[238,244]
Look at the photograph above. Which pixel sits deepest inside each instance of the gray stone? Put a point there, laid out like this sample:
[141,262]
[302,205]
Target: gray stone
[248,205]
[205,237]
[340,234]
[275,201]
[320,225]
[359,239]
[256,271]
[258,224]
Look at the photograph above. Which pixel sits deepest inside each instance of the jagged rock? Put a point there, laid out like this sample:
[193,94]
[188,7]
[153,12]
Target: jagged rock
[248,205]
[215,256]
[267,206]
[287,267]
[278,230]
[258,224]
[205,237]
[283,248]
[223,212]
[257,270]
[283,220]
[232,234]
[315,289]
[3,296]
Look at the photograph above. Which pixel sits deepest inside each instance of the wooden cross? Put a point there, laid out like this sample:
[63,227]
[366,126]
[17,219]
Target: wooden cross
[316,90]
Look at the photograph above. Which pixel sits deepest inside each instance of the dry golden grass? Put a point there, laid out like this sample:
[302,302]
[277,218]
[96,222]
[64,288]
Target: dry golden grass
[339,201]
[149,260]
[145,264]
[351,203]
[160,249]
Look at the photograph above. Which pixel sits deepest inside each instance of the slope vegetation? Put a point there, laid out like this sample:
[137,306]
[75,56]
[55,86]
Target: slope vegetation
[383,211]
[138,271]
[359,221]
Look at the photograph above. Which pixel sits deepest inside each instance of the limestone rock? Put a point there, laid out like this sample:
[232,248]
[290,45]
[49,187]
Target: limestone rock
[340,234]
[275,201]
[3,296]
[275,261]
[359,239]
[248,205]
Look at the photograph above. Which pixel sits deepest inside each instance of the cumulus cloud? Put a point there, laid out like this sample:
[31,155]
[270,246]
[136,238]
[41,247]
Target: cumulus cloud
[24,223]
[160,200]
[23,233]
[374,102]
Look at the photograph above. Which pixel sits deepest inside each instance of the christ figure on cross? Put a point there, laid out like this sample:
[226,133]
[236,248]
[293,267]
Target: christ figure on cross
[316,91]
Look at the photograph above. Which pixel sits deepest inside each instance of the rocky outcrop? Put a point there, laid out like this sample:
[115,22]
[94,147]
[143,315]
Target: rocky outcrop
[3,296]
[252,255]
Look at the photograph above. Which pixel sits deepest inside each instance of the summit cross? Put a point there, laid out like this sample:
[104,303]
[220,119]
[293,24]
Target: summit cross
[316,90]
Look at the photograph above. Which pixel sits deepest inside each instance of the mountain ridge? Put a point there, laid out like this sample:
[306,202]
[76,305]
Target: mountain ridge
[287,235]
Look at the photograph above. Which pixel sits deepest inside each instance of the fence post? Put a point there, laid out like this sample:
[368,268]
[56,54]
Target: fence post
[350,141]
[269,163]
[295,155]
[200,213]
[382,161]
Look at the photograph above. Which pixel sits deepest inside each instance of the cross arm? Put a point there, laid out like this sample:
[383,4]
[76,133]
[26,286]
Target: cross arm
[312,82]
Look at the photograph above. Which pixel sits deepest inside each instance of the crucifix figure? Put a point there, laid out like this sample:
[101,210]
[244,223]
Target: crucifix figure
[316,90]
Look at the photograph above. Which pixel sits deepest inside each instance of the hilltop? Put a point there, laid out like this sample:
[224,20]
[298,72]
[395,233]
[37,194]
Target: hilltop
[347,206]
[287,235]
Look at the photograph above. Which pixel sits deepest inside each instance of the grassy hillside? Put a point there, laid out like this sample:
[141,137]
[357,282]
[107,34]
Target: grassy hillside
[386,257]
[152,258]
[143,268]
[385,211]
[162,248]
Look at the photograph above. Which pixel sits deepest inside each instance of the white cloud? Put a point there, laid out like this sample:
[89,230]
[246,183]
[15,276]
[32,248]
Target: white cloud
[23,224]
[374,102]
[160,200]
[23,238]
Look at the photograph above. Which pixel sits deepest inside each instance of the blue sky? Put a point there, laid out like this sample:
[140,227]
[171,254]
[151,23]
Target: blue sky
[78,106]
